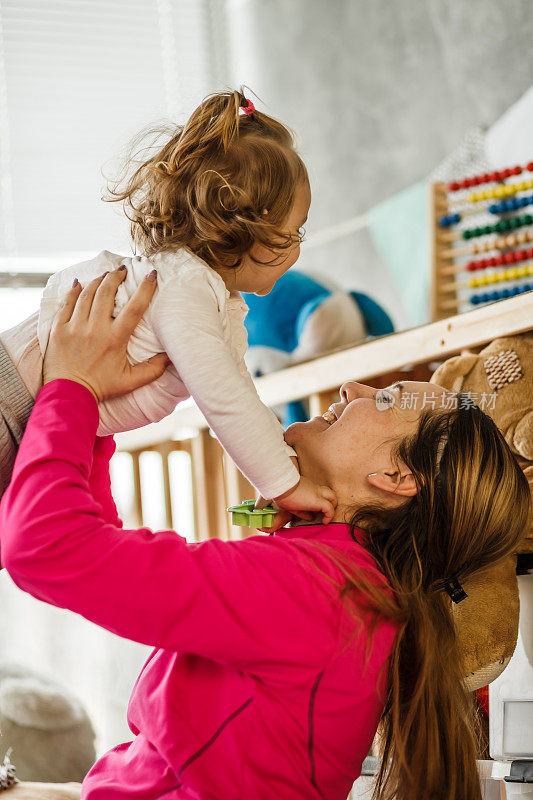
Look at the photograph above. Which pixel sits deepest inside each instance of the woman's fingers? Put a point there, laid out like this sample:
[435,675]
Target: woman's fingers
[84,303]
[66,308]
[90,347]
[148,371]
[104,298]
[129,316]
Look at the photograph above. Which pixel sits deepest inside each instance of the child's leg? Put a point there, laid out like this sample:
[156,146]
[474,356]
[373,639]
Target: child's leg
[16,404]
[22,346]
[124,413]
[144,405]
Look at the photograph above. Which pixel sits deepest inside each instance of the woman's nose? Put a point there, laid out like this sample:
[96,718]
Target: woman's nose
[351,390]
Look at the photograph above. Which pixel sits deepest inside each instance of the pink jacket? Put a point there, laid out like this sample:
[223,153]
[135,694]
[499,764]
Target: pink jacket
[256,687]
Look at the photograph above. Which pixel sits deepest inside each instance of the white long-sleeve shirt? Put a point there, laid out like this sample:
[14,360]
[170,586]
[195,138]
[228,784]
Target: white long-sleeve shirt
[200,325]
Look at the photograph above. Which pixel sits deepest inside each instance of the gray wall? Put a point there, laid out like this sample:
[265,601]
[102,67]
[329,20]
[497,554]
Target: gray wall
[380,91]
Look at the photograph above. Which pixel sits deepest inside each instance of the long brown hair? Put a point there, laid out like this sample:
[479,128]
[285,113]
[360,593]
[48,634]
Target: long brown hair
[207,187]
[470,509]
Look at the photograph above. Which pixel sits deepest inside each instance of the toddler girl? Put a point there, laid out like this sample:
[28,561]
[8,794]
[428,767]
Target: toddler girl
[216,211]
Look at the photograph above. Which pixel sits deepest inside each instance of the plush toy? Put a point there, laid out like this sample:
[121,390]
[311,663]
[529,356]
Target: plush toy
[500,380]
[303,317]
[47,729]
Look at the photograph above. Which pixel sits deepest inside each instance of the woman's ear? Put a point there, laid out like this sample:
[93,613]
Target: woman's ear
[399,483]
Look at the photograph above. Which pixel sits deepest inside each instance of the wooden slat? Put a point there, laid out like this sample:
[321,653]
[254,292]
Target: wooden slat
[165,448]
[237,490]
[436,195]
[320,402]
[208,483]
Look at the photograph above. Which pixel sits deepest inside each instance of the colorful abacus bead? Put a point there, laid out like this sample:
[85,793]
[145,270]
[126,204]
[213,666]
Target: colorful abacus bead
[513,239]
[500,191]
[488,177]
[485,246]
[489,297]
[449,219]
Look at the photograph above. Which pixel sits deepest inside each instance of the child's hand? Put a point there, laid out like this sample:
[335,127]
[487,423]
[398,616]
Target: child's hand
[308,497]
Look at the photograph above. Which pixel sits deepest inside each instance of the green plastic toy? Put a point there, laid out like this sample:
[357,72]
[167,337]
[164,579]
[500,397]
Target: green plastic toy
[245,516]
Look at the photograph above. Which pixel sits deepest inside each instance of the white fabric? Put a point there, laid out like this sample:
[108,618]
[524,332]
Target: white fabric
[200,325]
[508,140]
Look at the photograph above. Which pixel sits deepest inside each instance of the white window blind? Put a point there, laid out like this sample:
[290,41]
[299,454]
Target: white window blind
[78,78]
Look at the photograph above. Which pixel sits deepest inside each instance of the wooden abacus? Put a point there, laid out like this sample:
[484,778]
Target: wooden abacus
[480,232]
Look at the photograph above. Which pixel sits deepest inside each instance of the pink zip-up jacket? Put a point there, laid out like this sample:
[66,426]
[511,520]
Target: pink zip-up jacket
[256,688]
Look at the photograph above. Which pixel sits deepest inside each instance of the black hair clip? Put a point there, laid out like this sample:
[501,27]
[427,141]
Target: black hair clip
[452,586]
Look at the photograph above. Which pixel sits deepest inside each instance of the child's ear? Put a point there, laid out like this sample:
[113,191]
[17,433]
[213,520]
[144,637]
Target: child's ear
[398,483]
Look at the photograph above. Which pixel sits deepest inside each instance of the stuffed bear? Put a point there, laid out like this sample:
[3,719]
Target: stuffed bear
[47,728]
[303,317]
[499,380]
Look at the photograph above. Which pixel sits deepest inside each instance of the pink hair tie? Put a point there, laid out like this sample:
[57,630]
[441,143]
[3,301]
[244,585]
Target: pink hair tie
[249,109]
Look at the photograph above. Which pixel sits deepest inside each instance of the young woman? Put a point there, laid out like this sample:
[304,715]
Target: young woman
[276,657]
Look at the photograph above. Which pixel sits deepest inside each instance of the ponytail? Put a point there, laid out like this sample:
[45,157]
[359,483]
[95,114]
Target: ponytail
[215,122]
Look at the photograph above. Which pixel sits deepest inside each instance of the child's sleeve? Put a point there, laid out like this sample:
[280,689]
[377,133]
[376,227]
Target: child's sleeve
[187,322]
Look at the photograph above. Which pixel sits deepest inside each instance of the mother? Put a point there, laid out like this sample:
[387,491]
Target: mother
[276,656]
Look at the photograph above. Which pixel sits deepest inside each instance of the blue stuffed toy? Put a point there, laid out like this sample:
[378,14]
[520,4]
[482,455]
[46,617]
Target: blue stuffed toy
[302,318]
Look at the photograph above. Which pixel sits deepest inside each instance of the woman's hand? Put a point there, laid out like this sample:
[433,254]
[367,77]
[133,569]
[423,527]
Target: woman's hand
[88,346]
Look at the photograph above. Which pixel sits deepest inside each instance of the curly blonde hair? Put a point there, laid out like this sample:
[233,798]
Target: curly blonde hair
[208,186]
